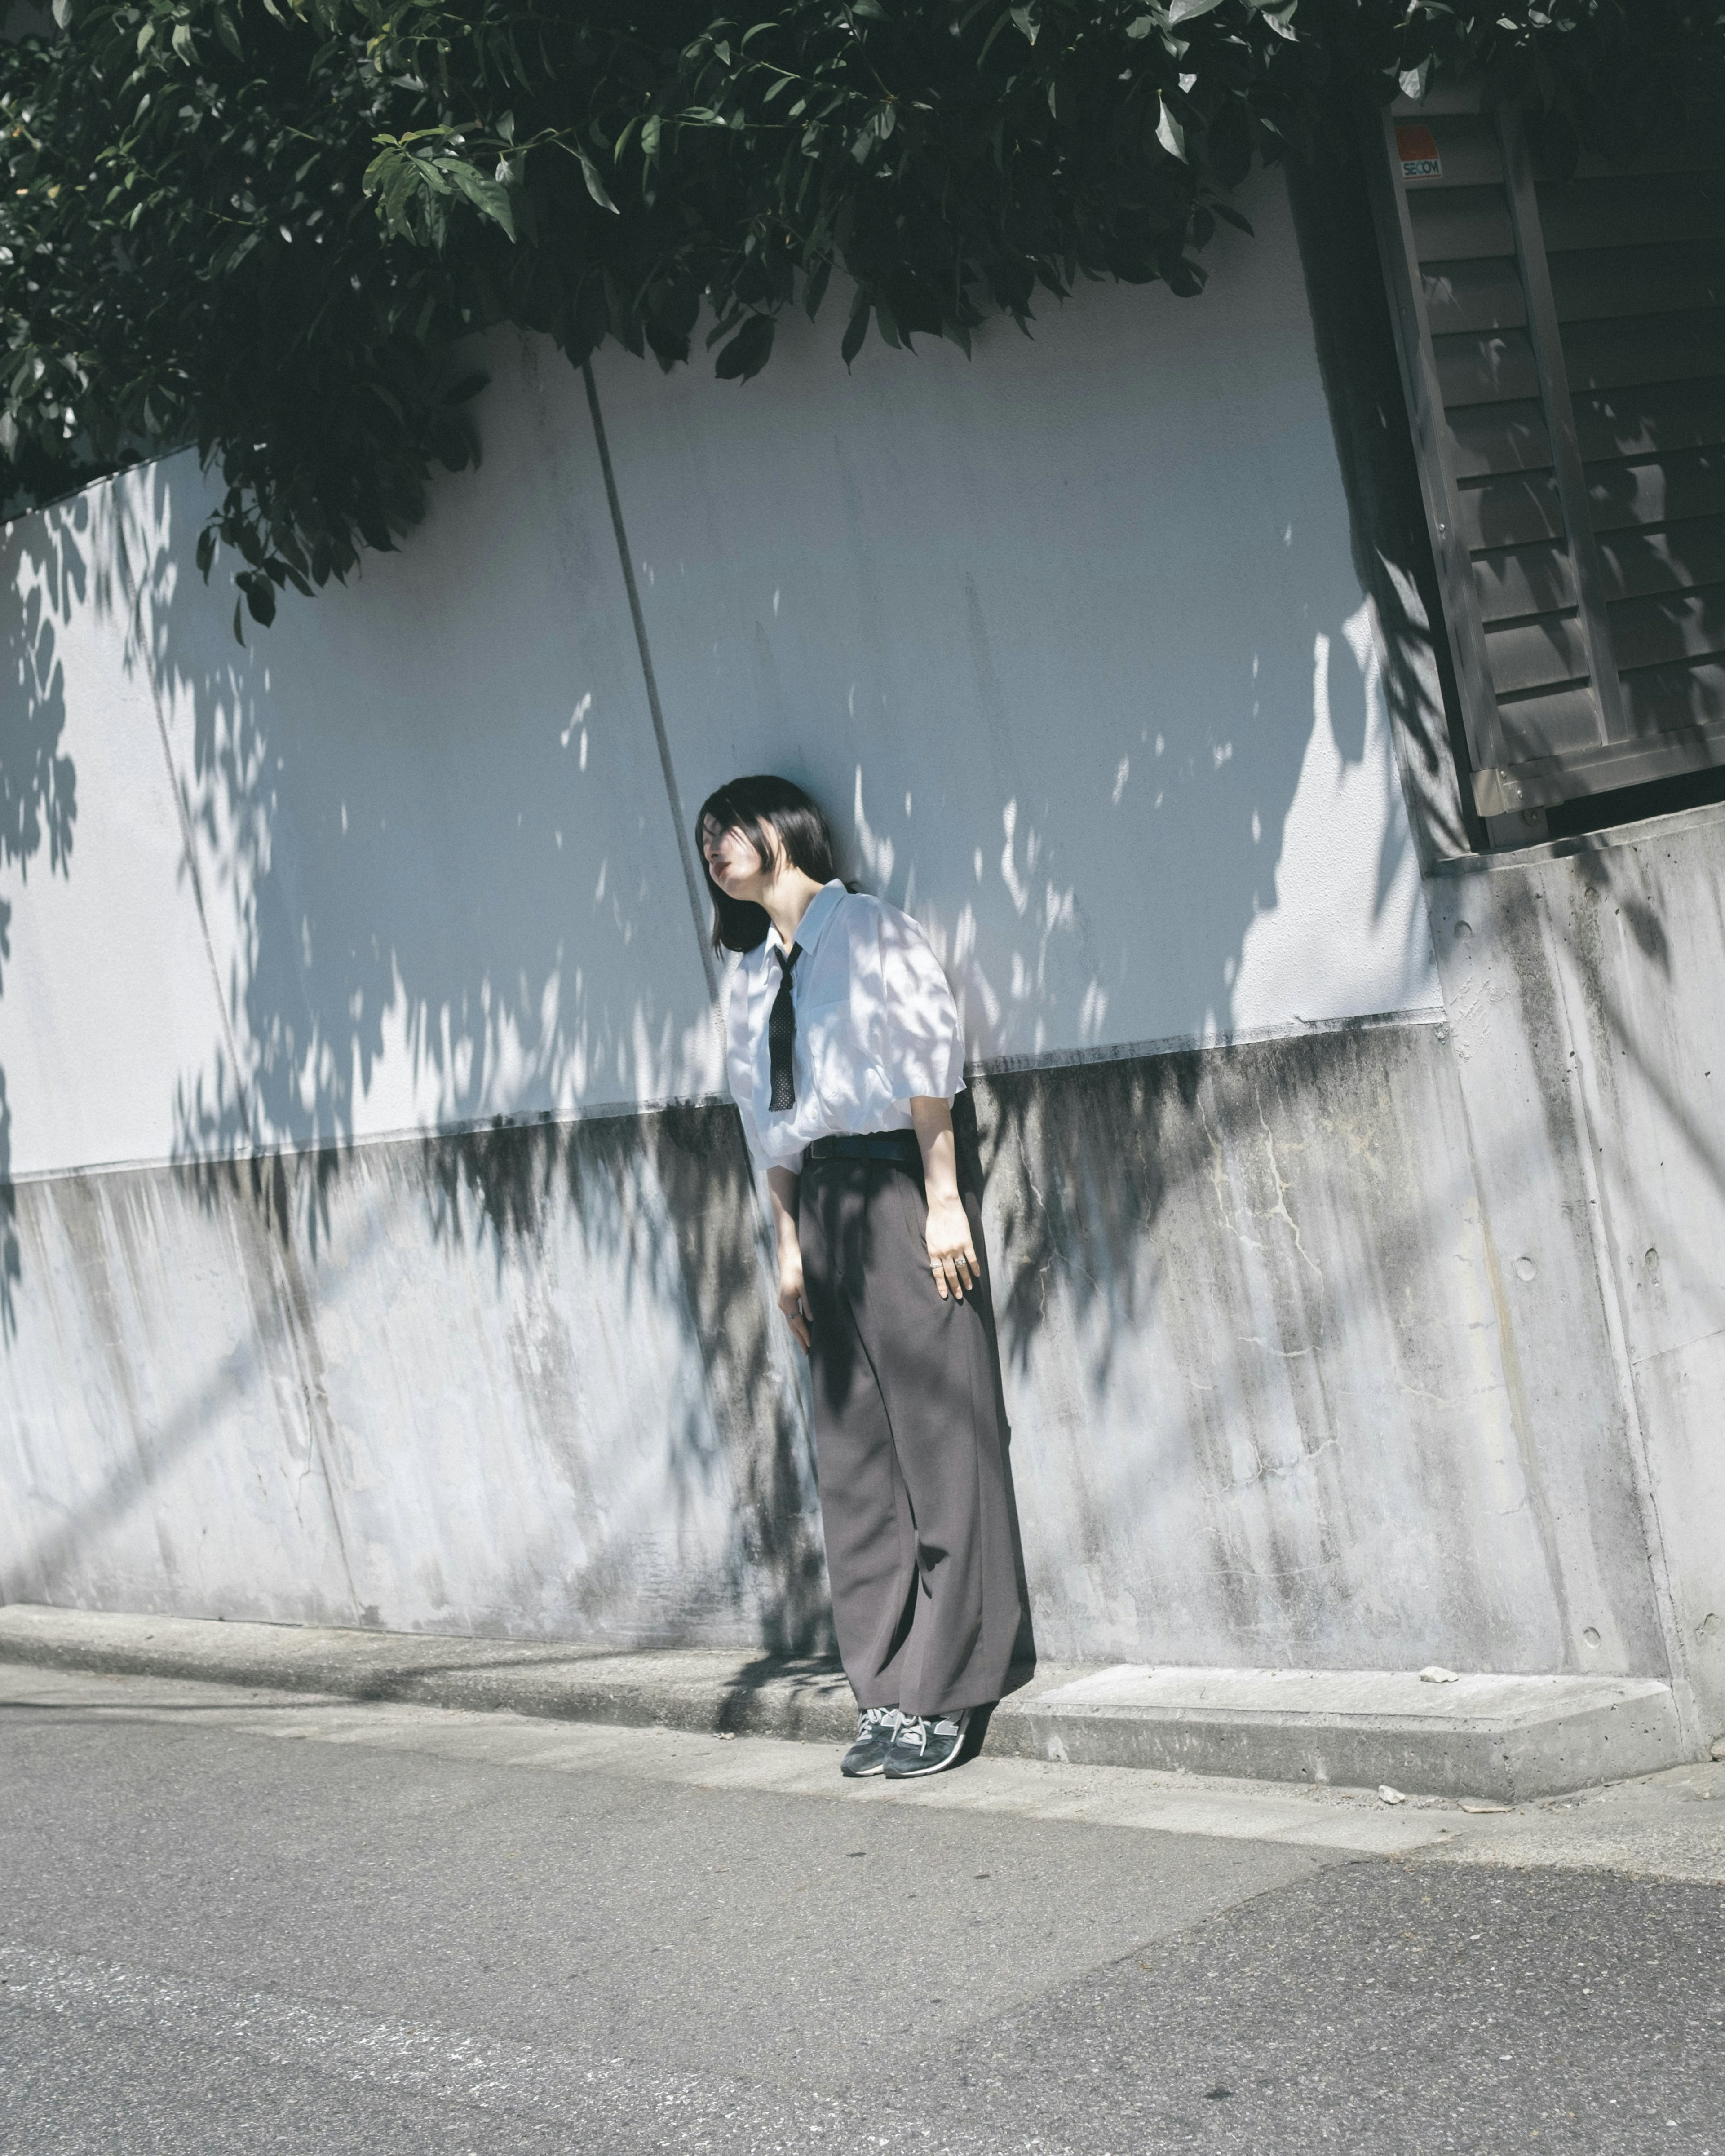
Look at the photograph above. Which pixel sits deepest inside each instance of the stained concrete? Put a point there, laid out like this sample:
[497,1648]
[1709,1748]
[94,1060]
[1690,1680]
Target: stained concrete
[515,1383]
[1582,984]
[1484,1735]
[528,1383]
[1261,1381]
[1481,1735]
[690,1689]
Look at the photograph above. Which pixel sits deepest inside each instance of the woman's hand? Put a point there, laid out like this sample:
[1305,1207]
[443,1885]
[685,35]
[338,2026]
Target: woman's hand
[952,1254]
[790,1294]
[783,1193]
[951,1257]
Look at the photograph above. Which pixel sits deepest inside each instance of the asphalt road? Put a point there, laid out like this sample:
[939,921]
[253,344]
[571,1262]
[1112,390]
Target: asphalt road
[235,1923]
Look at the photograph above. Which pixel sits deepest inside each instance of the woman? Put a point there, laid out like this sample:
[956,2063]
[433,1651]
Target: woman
[844,1055]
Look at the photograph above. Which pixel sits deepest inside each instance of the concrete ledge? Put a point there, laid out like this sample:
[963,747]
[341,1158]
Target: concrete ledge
[681,1690]
[1504,1737]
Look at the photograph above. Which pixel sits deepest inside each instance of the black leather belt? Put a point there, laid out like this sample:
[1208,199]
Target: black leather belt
[900,1146]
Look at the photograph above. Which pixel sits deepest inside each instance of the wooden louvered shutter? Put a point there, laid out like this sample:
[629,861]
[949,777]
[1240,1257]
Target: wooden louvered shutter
[1563,350]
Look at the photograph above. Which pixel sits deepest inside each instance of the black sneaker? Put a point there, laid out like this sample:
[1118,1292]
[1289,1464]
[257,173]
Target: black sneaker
[875,1728]
[925,1744]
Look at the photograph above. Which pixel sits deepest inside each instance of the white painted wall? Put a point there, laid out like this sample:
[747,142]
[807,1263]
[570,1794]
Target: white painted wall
[105,989]
[1067,636]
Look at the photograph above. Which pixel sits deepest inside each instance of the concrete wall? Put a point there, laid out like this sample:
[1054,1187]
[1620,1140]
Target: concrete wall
[1582,979]
[350,1269]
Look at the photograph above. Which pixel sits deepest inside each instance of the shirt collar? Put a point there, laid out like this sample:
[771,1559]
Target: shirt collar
[809,927]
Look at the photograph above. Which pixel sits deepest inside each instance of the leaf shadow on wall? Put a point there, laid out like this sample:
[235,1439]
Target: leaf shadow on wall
[1129,732]
[1083,889]
[1081,1166]
[398,901]
[1081,1198]
[330,843]
[44,574]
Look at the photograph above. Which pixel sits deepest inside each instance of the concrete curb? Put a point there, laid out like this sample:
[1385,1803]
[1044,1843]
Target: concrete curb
[1506,1737]
[683,1688]
[1503,1738]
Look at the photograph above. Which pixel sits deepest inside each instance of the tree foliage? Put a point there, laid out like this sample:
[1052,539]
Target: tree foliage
[268,226]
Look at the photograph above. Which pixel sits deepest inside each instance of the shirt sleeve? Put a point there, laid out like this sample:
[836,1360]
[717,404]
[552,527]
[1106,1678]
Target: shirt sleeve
[740,1062]
[923,1047]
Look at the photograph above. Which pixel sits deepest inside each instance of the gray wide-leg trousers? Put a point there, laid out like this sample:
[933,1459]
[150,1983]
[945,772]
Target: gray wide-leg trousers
[910,1442]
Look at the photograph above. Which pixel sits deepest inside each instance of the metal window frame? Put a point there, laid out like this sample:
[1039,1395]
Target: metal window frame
[1560,424]
[1622,756]
[1463,625]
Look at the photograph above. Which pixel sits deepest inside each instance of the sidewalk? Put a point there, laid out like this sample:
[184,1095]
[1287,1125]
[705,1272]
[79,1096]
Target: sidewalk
[246,1918]
[1490,1738]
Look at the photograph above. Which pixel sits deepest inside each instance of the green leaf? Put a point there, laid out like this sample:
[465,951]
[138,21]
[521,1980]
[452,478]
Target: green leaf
[748,352]
[1170,133]
[595,185]
[487,196]
[272,250]
[856,328]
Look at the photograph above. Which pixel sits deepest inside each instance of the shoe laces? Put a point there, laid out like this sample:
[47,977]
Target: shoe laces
[872,1718]
[915,1730]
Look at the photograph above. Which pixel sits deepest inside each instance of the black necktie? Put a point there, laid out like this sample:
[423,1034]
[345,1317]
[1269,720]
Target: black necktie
[782,1034]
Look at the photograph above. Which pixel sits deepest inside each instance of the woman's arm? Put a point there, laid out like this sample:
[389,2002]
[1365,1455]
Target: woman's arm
[951,1257]
[782,1190]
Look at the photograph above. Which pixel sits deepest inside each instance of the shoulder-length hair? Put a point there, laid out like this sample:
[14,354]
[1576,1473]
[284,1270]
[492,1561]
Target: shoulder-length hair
[780,821]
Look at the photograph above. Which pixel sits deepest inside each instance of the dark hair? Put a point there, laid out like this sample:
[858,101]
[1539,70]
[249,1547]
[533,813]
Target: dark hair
[782,824]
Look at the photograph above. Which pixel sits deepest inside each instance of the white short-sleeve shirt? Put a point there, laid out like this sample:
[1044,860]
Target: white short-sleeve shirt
[876,1024]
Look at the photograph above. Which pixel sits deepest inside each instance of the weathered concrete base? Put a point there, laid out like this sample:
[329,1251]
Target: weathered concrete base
[1507,1738]
[687,1689]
